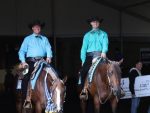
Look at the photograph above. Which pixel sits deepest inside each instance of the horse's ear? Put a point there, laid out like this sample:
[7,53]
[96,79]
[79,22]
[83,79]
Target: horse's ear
[65,79]
[120,62]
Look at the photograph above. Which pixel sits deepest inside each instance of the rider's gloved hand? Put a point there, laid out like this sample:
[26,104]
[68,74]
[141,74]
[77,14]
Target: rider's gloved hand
[48,60]
[103,55]
[24,65]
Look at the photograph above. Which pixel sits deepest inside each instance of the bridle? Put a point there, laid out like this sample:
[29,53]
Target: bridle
[108,74]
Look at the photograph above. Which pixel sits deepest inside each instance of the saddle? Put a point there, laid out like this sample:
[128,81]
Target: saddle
[84,92]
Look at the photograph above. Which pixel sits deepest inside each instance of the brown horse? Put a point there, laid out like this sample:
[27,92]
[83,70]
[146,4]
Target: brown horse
[56,89]
[105,86]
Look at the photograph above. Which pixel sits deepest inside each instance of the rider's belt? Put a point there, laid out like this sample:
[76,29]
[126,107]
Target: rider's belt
[34,59]
[93,54]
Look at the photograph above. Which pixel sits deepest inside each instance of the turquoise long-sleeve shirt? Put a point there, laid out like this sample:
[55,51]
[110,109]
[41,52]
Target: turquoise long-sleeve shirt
[94,40]
[35,46]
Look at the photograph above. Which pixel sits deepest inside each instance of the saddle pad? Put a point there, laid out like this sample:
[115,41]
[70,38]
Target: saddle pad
[41,66]
[92,69]
[52,72]
[37,73]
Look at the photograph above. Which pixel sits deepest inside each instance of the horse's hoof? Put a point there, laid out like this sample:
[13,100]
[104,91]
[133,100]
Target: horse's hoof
[84,95]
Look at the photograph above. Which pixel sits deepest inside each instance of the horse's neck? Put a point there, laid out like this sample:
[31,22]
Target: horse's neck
[50,77]
[101,77]
[102,72]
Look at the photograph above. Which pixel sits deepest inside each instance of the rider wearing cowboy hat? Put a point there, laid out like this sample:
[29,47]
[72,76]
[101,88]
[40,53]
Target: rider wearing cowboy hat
[95,43]
[34,47]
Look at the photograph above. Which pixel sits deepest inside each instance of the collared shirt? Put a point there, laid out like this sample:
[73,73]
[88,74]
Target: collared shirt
[35,46]
[138,71]
[94,40]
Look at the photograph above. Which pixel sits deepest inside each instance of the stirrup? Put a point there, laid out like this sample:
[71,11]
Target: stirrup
[84,95]
[27,104]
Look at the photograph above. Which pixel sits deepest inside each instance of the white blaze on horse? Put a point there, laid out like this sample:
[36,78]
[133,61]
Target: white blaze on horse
[48,92]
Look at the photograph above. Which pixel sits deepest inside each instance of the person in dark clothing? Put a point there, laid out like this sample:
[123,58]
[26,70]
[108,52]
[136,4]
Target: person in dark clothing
[118,55]
[133,73]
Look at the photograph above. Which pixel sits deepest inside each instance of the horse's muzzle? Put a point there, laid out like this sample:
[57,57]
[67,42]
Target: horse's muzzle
[60,111]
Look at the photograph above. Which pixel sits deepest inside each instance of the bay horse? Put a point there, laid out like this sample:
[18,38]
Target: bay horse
[55,90]
[105,86]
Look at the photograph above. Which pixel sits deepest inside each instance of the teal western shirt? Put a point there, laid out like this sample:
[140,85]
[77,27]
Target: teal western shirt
[94,40]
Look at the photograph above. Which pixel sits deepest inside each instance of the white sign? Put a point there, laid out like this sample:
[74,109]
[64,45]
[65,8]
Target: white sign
[141,86]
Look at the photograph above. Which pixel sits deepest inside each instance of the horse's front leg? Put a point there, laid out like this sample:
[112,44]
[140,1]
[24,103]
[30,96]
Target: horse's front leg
[83,104]
[38,107]
[96,104]
[114,104]
[19,106]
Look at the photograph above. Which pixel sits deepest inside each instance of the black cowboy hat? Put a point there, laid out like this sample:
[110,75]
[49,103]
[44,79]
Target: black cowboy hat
[36,22]
[94,18]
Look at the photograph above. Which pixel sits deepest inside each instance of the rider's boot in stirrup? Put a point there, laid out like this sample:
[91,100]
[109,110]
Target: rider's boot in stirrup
[27,104]
[84,94]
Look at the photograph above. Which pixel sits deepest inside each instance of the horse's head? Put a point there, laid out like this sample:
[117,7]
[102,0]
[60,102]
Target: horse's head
[114,77]
[58,94]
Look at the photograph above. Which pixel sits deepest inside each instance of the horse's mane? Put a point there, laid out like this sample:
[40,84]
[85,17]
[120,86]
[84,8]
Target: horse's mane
[102,69]
[115,65]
